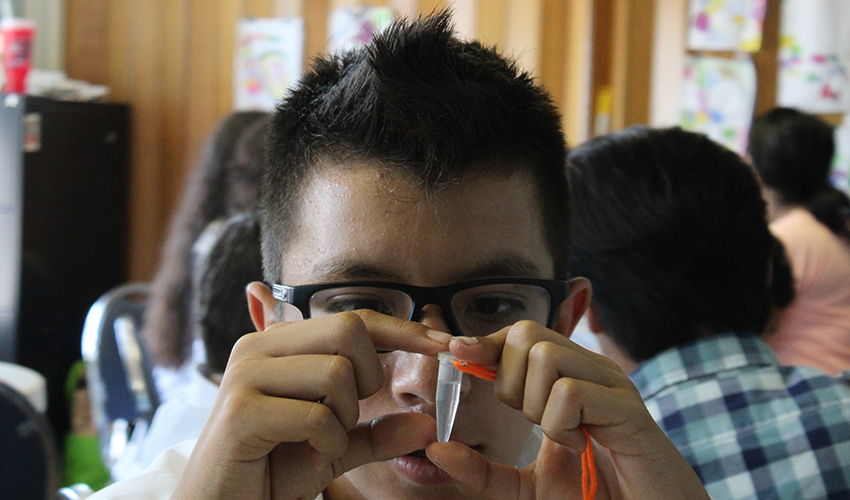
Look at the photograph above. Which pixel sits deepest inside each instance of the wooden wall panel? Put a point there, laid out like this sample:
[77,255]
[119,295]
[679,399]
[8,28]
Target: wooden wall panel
[92,17]
[492,21]
[173,133]
[172,62]
[765,60]
[631,67]
[315,14]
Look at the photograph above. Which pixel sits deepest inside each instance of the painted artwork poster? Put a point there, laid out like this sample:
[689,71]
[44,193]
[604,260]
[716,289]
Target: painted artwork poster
[814,52]
[718,97]
[350,27]
[726,25]
[269,58]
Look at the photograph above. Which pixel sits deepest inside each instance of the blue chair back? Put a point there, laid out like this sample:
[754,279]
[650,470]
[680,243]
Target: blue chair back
[118,367]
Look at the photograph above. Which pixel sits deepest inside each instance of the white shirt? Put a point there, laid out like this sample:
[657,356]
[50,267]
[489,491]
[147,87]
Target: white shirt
[180,418]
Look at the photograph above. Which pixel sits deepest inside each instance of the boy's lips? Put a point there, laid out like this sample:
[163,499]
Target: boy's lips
[418,468]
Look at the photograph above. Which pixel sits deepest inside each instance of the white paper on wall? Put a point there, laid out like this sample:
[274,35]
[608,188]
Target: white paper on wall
[814,52]
[718,97]
[269,58]
[350,27]
[730,25]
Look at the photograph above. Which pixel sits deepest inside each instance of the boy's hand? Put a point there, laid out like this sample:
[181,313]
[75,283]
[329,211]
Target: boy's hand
[285,421]
[562,386]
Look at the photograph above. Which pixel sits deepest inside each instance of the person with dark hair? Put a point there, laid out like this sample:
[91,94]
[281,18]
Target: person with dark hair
[670,227]
[416,189]
[218,187]
[233,262]
[221,317]
[792,153]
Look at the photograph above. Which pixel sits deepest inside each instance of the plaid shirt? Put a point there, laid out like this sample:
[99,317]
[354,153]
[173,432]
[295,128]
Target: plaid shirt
[749,427]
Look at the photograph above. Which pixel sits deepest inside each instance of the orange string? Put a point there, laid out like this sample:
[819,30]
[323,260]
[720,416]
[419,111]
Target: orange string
[588,470]
[477,370]
[588,466]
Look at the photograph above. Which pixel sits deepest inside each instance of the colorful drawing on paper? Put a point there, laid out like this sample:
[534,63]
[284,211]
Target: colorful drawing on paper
[351,27]
[733,25]
[269,58]
[718,96]
[814,52]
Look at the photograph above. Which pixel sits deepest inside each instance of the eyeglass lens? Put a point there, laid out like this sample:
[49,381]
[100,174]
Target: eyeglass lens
[479,310]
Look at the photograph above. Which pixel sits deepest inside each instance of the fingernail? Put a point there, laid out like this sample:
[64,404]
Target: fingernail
[467,341]
[441,337]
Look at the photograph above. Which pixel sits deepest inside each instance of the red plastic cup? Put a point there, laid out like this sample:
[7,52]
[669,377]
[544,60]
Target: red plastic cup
[16,37]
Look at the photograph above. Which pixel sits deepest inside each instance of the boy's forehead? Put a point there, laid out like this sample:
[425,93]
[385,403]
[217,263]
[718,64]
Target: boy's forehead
[380,223]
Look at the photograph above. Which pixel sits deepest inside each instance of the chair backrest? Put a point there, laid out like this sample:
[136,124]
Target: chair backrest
[118,368]
[29,457]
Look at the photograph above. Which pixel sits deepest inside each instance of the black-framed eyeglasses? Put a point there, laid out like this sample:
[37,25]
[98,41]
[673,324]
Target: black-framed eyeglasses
[472,308]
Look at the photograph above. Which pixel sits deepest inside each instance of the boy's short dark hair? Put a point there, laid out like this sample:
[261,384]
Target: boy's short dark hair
[422,101]
[222,314]
[671,230]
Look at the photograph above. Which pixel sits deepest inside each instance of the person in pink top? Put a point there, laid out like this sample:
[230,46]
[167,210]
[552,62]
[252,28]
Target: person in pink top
[792,153]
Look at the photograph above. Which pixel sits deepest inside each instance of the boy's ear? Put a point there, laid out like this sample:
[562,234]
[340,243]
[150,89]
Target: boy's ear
[571,310]
[261,304]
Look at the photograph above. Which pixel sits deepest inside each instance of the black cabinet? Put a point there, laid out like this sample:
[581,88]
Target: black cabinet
[70,163]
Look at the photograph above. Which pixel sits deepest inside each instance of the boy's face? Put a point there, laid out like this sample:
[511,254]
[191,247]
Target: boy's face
[363,223]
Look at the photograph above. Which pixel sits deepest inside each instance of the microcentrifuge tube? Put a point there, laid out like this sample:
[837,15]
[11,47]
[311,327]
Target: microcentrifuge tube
[449,380]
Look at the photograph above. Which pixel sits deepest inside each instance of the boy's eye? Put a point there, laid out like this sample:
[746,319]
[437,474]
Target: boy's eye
[353,298]
[343,303]
[495,308]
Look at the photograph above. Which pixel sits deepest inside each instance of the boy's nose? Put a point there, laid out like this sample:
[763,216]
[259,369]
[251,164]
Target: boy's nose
[414,379]
[433,317]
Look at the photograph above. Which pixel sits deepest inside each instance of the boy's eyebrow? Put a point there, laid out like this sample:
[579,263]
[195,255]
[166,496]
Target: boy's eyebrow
[340,270]
[508,266]
[348,270]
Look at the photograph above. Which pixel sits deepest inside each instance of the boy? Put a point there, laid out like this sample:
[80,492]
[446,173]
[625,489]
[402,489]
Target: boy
[413,189]
[671,229]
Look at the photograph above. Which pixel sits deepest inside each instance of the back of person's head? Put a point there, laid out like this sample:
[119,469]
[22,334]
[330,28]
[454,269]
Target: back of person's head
[208,184]
[792,153]
[233,261]
[205,198]
[671,230]
[422,101]
[245,169]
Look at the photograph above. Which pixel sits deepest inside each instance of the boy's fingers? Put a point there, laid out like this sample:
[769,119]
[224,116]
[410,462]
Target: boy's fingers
[385,438]
[340,334]
[354,335]
[557,473]
[393,334]
[547,364]
[261,423]
[477,477]
[485,351]
[527,349]
[327,379]
[615,416]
